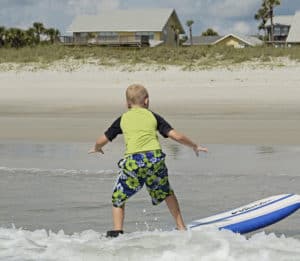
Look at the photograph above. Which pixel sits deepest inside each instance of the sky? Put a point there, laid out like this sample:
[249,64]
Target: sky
[224,16]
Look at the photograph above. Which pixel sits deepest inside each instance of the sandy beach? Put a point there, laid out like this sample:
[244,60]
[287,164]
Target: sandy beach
[218,106]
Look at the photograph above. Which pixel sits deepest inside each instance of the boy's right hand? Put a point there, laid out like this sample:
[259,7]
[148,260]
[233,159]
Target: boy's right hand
[101,141]
[93,150]
[198,149]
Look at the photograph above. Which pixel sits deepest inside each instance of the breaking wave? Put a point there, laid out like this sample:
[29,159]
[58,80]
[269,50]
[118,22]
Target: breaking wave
[19,244]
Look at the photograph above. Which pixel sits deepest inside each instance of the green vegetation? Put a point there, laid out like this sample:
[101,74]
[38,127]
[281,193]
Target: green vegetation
[188,58]
[17,38]
[210,32]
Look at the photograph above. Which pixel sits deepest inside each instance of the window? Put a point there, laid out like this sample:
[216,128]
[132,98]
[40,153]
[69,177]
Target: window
[83,34]
[285,30]
[150,34]
[107,34]
[276,30]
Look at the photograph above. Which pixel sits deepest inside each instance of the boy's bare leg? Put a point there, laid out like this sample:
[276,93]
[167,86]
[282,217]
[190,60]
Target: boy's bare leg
[173,206]
[118,217]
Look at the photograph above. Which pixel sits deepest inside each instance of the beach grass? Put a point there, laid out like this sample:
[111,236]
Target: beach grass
[189,58]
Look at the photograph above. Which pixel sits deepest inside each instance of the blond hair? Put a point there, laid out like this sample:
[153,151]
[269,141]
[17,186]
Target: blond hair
[136,94]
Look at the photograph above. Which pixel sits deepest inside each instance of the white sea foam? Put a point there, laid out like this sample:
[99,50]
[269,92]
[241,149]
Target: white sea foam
[18,244]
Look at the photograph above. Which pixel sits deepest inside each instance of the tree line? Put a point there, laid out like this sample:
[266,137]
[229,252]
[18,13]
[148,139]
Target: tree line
[17,38]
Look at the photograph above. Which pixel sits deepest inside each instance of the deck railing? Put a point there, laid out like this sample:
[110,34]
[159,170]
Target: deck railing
[107,40]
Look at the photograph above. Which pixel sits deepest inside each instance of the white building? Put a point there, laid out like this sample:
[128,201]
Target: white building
[286,29]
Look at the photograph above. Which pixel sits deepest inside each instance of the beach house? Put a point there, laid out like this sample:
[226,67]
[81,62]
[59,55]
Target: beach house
[234,40]
[281,28]
[238,41]
[132,27]
[286,29]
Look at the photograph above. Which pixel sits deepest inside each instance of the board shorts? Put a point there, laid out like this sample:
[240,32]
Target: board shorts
[138,169]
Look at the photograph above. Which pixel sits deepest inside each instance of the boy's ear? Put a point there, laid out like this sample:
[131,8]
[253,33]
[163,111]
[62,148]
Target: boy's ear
[146,101]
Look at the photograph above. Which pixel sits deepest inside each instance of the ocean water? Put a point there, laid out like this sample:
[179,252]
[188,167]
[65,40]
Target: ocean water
[55,203]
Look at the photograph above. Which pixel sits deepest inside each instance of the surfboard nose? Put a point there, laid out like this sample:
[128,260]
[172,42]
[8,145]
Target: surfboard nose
[297,200]
[253,216]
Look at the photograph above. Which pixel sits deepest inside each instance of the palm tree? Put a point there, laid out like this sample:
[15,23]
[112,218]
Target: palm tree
[30,36]
[53,34]
[271,4]
[262,14]
[39,29]
[2,36]
[189,24]
[15,37]
[267,12]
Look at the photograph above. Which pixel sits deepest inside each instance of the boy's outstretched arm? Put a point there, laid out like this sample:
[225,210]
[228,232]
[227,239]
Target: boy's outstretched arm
[101,141]
[181,138]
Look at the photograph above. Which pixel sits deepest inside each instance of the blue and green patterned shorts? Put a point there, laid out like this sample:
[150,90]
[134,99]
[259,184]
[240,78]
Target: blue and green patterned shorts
[138,169]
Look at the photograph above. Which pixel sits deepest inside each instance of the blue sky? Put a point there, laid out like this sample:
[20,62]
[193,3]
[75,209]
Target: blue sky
[224,16]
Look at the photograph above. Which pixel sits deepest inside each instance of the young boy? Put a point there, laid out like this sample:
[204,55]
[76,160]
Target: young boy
[144,161]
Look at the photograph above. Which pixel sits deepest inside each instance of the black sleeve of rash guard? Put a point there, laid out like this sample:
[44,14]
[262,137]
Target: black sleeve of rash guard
[162,125]
[114,129]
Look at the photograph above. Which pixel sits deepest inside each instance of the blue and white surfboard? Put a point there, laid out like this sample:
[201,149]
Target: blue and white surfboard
[253,216]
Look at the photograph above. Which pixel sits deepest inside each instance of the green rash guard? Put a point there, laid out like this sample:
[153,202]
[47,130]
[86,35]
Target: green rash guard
[139,127]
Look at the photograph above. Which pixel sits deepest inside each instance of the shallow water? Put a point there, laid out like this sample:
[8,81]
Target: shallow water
[50,187]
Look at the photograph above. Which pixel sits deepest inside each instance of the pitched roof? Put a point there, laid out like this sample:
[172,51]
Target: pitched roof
[294,34]
[281,19]
[249,40]
[211,40]
[133,20]
[203,40]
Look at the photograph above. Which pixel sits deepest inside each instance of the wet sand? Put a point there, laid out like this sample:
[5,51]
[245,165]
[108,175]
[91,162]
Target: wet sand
[242,106]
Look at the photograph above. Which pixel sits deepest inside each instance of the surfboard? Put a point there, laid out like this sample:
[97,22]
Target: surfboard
[253,216]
